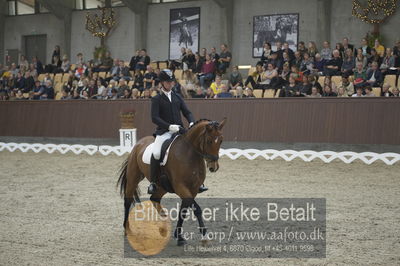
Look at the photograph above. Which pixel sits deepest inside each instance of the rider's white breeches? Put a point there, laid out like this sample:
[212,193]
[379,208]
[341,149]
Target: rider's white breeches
[158,143]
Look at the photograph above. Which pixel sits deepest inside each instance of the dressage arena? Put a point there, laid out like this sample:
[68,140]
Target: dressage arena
[64,209]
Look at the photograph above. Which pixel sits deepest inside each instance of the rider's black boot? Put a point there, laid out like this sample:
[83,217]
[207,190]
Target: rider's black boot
[154,172]
[202,188]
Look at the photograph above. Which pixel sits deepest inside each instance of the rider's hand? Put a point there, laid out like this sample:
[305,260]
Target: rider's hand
[191,124]
[173,128]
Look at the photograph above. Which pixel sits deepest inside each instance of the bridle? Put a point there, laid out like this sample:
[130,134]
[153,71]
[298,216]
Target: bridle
[202,153]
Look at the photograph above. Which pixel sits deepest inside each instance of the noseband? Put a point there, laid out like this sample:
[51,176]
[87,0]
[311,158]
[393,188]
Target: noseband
[202,153]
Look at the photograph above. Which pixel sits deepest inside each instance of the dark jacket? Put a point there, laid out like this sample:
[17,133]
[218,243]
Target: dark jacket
[165,113]
[378,77]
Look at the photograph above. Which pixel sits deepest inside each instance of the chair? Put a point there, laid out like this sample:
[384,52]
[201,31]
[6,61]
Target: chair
[278,91]
[131,83]
[182,82]
[41,77]
[102,75]
[251,70]
[25,95]
[178,74]
[57,87]
[337,80]
[65,78]
[58,96]
[73,67]
[154,93]
[153,65]
[269,93]
[321,80]
[377,91]
[233,92]
[391,80]
[58,77]
[162,65]
[257,93]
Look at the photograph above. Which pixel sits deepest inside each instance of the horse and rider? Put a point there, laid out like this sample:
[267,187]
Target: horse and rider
[191,151]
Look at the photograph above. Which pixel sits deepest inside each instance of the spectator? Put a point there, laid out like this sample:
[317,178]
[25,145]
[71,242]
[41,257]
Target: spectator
[374,76]
[326,51]
[333,66]
[359,92]
[19,95]
[366,50]
[328,92]
[346,45]
[146,94]
[276,61]
[385,91]
[214,56]
[339,47]
[319,64]
[79,71]
[31,69]
[57,53]
[380,49]
[38,65]
[224,92]
[224,59]
[388,63]
[92,89]
[342,92]
[123,71]
[198,64]
[396,92]
[348,63]
[135,94]
[361,59]
[121,87]
[307,64]
[149,78]
[396,49]
[267,51]
[301,47]
[199,93]
[65,95]
[143,60]
[207,71]
[210,94]
[314,93]
[65,65]
[283,78]
[286,60]
[235,79]
[29,82]
[76,95]
[203,53]
[216,85]
[249,93]
[368,92]
[14,70]
[360,75]
[188,60]
[106,63]
[139,83]
[48,93]
[313,79]
[269,79]
[297,60]
[291,89]
[79,59]
[38,90]
[134,60]
[328,82]
[312,49]
[23,63]
[374,58]
[346,86]
[279,50]
[305,87]
[289,51]
[126,94]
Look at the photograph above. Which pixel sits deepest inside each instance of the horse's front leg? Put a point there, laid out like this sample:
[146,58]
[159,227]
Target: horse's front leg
[183,211]
[199,215]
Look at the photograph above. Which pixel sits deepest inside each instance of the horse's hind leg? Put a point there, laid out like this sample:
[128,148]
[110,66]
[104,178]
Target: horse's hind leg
[186,204]
[133,177]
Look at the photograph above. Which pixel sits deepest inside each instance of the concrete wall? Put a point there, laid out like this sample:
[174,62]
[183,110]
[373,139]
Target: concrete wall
[158,26]
[19,26]
[122,40]
[345,25]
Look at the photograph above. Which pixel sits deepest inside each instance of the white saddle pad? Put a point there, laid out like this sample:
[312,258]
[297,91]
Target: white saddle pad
[149,151]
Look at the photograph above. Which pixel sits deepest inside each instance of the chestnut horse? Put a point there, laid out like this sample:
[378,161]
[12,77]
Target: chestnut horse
[185,169]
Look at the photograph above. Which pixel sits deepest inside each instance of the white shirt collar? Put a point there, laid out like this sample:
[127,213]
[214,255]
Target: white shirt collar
[168,94]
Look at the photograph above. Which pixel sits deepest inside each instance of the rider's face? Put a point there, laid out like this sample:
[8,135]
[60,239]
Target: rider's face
[167,85]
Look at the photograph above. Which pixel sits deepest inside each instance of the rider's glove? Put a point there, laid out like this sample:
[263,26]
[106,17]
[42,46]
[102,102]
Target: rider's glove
[173,128]
[191,124]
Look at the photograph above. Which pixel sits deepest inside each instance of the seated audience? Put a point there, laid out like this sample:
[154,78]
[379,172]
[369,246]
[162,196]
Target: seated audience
[225,58]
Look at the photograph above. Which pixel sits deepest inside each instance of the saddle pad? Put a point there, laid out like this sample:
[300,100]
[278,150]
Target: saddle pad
[149,151]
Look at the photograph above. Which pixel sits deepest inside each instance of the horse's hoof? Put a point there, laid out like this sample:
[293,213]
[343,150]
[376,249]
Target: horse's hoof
[181,242]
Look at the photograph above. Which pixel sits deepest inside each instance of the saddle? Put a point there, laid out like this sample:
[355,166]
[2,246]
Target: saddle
[164,150]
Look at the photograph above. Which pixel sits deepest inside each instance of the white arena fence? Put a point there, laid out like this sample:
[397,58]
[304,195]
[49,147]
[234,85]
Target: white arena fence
[251,154]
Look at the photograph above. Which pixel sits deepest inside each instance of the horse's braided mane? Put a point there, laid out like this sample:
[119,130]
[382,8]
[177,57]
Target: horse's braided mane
[214,123]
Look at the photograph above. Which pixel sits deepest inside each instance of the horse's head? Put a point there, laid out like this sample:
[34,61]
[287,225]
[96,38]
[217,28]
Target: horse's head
[211,143]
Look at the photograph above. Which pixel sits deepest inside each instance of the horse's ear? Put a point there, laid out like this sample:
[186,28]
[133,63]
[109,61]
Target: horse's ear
[222,123]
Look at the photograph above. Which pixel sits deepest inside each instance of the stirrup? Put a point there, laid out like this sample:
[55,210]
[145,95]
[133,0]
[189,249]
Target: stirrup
[202,188]
[152,188]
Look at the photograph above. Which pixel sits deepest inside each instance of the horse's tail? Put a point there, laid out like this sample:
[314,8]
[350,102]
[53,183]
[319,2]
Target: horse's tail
[122,181]
[122,177]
